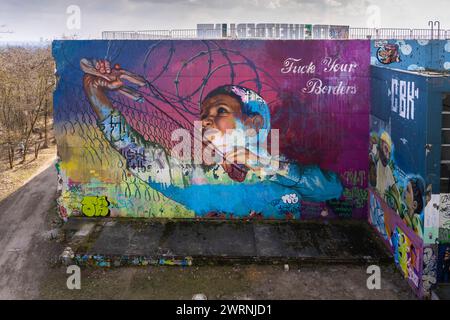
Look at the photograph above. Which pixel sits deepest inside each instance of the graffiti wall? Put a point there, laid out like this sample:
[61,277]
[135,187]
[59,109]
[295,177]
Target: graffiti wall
[405,165]
[213,129]
[400,188]
[413,55]
[405,245]
[397,152]
[443,249]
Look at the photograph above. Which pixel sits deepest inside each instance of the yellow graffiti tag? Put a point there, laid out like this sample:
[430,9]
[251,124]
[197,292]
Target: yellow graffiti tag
[403,250]
[95,206]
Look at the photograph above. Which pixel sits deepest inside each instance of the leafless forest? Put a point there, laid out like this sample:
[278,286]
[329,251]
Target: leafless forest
[26,86]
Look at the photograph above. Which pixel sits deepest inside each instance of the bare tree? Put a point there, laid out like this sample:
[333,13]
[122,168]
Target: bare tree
[26,84]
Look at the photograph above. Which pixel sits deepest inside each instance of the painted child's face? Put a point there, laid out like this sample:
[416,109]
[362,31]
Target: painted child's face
[225,125]
[220,112]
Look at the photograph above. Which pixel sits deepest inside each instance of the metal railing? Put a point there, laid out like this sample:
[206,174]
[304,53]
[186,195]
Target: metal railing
[397,33]
[353,33]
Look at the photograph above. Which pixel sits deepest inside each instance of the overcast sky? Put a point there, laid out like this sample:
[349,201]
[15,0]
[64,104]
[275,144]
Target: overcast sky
[31,20]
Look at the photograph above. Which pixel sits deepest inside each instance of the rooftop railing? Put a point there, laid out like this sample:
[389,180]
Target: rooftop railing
[353,33]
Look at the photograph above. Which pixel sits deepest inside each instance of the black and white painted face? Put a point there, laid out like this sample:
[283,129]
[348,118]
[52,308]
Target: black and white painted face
[385,153]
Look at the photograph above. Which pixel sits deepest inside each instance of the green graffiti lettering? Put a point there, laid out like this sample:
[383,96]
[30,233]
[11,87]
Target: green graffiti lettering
[95,206]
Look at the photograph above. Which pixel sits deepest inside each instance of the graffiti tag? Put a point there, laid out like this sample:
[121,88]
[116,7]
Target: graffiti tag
[444,211]
[403,94]
[95,206]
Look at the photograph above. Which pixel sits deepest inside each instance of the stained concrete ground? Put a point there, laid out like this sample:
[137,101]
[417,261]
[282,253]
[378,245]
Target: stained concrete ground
[227,282]
[28,268]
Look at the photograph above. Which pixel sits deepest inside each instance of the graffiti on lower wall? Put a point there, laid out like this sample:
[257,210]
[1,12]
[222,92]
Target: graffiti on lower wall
[429,268]
[404,244]
[444,212]
[443,259]
[431,220]
[119,261]
[217,129]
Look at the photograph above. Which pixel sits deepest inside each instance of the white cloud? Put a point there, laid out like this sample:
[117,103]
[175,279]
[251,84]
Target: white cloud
[273,4]
[333,3]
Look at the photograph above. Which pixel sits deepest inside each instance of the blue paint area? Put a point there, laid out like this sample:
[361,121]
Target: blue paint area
[395,240]
[377,217]
[308,183]
[407,133]
[413,55]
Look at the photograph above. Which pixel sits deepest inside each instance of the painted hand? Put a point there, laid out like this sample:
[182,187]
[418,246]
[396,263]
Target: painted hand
[103,76]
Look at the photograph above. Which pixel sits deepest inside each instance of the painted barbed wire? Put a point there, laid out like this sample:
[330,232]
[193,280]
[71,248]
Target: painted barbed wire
[152,120]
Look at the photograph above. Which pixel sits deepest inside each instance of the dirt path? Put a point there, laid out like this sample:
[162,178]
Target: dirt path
[24,225]
[13,179]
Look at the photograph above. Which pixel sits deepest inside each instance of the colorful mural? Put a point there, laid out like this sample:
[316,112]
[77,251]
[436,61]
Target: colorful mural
[405,245]
[444,218]
[413,55]
[443,250]
[403,208]
[213,129]
[396,169]
[404,193]
[405,154]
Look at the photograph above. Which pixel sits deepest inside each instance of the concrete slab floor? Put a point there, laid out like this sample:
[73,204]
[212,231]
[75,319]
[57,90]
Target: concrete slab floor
[306,245]
[240,241]
[227,282]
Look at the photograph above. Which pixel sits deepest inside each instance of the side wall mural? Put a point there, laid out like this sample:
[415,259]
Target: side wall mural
[413,55]
[406,203]
[400,188]
[143,128]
